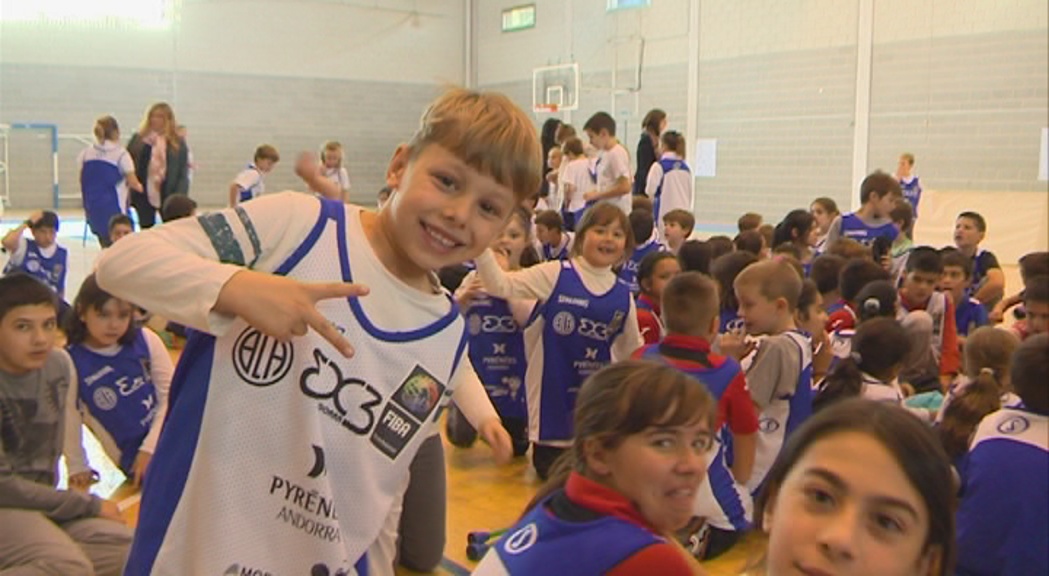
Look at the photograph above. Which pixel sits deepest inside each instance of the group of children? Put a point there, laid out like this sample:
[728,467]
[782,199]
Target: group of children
[675,394]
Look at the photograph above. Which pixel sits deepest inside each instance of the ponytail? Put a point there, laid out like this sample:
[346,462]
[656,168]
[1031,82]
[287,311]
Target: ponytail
[844,381]
[964,413]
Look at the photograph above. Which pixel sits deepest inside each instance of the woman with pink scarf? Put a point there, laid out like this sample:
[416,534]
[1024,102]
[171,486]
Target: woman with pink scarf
[161,162]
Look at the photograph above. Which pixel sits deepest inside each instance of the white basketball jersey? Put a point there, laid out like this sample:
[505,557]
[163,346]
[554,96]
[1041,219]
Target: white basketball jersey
[284,458]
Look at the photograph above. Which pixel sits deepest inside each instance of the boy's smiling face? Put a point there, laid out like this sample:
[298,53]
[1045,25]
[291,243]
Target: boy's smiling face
[44,236]
[444,212]
[27,334]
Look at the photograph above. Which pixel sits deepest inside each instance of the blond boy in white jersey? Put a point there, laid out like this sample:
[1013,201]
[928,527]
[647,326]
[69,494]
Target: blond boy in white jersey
[280,431]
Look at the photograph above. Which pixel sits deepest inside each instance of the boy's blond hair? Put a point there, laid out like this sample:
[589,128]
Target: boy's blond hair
[267,152]
[489,133]
[774,279]
[690,302]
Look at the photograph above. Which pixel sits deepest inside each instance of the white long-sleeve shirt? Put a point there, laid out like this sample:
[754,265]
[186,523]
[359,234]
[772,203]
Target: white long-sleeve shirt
[173,270]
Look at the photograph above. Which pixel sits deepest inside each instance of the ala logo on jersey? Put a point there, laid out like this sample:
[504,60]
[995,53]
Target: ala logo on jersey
[408,409]
[522,539]
[564,323]
[105,398]
[1014,425]
[768,425]
[261,360]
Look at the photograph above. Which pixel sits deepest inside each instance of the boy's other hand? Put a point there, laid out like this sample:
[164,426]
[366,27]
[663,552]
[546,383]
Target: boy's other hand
[35,217]
[283,308]
[307,167]
[138,469]
[82,481]
[493,433]
[110,511]
[736,345]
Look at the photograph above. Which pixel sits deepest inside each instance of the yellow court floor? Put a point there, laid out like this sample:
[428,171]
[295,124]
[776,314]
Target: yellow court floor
[485,496]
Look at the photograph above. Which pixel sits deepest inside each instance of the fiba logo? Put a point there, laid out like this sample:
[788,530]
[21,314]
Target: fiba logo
[564,323]
[1014,425]
[768,425]
[261,360]
[105,398]
[522,540]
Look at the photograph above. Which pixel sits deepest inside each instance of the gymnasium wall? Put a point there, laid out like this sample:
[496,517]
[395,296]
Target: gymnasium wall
[962,85]
[238,73]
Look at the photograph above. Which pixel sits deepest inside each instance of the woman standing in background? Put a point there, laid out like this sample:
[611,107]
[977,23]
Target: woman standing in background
[654,123]
[161,162]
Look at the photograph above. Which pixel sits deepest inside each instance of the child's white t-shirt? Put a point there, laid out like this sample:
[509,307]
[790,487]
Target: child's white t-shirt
[250,180]
[338,175]
[613,164]
[577,174]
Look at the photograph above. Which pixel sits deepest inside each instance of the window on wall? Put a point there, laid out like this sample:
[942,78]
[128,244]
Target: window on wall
[519,18]
[133,13]
[614,5]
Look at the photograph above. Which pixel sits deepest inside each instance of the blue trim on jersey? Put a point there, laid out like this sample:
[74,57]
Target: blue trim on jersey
[853,227]
[542,543]
[311,239]
[170,466]
[99,180]
[335,210]
[667,164]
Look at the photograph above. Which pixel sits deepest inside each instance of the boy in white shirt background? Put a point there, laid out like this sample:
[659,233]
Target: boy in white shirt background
[613,163]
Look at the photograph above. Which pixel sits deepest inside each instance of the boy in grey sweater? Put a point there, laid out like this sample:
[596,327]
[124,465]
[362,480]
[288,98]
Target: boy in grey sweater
[44,530]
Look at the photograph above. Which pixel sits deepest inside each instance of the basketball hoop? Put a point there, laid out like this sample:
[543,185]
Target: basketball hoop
[545,108]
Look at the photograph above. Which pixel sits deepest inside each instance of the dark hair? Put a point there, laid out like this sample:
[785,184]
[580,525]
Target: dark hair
[681,217]
[623,399]
[911,443]
[566,132]
[828,204]
[573,146]
[177,206]
[789,249]
[749,241]
[748,221]
[548,140]
[719,246]
[118,219]
[673,140]
[641,225]
[92,296]
[904,214]
[876,300]
[881,184]
[1037,289]
[641,203]
[878,345]
[690,304]
[48,219]
[952,257]
[20,289]
[648,264]
[603,214]
[849,249]
[807,297]
[1030,372]
[1034,264]
[601,121]
[652,120]
[106,128]
[550,219]
[724,270]
[977,220]
[856,274]
[695,256]
[924,259]
[825,271]
[794,228]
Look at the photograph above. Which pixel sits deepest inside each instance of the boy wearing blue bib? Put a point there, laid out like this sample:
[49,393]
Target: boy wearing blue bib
[879,193]
[40,257]
[249,183]
[274,434]
[106,173]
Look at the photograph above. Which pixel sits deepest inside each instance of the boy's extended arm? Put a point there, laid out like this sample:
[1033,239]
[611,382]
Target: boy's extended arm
[993,288]
[536,282]
[744,448]
[834,231]
[73,432]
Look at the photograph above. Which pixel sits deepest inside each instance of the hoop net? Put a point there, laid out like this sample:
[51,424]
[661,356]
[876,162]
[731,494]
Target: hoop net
[545,108]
